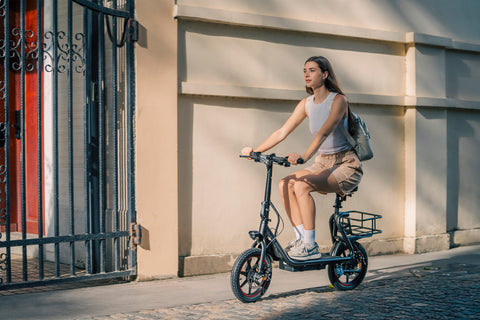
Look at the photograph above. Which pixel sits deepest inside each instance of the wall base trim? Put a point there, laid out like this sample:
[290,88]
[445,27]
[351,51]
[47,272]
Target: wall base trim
[208,264]
[428,243]
[465,237]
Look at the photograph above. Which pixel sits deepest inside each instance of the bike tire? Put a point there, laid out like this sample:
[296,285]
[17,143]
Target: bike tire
[348,275]
[248,283]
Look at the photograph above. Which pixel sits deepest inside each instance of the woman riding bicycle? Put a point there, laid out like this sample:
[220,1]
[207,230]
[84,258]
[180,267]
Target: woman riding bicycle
[336,168]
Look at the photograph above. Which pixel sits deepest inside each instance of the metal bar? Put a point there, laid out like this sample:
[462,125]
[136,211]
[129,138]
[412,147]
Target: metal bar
[7,137]
[78,278]
[39,137]
[60,239]
[101,135]
[70,136]
[132,261]
[96,7]
[115,139]
[56,226]
[22,137]
[87,19]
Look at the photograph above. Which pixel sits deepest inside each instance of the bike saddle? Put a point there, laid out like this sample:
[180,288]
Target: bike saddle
[349,194]
[354,190]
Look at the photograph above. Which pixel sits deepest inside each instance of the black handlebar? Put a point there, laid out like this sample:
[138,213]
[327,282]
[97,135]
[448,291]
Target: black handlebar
[283,161]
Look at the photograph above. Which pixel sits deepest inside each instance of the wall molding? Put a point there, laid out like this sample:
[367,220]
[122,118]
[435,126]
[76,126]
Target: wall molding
[194,13]
[223,90]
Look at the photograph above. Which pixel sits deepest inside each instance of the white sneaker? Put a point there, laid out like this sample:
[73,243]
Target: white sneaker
[293,244]
[305,251]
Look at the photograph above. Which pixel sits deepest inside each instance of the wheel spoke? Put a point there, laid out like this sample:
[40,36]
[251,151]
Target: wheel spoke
[248,265]
[243,283]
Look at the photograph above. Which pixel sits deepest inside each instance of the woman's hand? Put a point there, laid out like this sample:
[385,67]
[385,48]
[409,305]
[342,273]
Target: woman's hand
[246,151]
[293,158]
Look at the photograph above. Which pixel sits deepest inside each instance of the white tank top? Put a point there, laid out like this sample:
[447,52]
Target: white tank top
[317,115]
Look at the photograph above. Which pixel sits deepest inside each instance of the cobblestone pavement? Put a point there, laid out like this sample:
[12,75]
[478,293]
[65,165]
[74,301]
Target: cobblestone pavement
[437,292]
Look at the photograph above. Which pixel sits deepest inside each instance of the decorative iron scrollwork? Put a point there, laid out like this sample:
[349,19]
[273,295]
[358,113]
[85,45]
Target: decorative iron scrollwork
[2,90]
[3,263]
[64,52]
[3,173]
[27,39]
[2,48]
[3,218]
[2,8]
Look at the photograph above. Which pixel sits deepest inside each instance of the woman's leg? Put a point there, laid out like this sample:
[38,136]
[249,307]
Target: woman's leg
[289,200]
[321,181]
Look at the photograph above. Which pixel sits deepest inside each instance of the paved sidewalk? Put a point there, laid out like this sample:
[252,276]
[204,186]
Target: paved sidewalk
[437,285]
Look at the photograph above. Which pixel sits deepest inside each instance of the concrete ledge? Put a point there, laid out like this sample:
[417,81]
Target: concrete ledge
[466,237]
[420,38]
[272,22]
[226,90]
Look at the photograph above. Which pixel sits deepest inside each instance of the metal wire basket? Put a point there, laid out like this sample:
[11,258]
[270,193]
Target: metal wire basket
[360,224]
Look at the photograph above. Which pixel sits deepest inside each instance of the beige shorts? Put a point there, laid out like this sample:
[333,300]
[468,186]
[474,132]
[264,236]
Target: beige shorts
[344,166]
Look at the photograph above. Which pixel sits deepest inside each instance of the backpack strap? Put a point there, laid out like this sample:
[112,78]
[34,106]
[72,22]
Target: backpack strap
[348,136]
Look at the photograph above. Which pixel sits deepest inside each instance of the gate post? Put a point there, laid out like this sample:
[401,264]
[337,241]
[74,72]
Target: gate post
[156,136]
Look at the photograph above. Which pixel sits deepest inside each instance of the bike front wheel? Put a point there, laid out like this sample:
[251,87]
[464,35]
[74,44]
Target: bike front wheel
[248,282]
[348,275]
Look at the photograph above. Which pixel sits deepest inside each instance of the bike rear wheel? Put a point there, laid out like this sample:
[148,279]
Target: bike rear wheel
[348,275]
[247,281]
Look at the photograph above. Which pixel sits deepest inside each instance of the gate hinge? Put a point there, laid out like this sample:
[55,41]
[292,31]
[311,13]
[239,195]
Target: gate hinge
[132,27]
[135,234]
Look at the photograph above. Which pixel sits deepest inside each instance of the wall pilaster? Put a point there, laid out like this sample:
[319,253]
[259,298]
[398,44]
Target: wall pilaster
[425,153]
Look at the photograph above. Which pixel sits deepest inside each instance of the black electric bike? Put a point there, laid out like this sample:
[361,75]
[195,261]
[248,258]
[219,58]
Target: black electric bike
[347,260]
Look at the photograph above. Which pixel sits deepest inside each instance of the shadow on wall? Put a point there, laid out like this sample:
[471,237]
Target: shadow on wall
[456,70]
[185,178]
[457,127]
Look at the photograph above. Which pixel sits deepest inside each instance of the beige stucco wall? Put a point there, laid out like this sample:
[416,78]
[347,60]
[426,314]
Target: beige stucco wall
[408,67]
[156,139]
[221,197]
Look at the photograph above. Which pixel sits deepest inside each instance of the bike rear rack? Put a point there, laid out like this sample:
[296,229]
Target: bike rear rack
[359,224]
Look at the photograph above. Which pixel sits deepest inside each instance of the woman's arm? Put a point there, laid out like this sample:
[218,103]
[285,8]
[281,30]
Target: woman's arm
[279,135]
[337,113]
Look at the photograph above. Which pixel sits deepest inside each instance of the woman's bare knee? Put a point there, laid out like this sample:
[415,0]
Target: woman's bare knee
[301,188]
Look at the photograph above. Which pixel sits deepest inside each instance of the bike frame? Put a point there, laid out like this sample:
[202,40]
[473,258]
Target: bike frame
[266,238]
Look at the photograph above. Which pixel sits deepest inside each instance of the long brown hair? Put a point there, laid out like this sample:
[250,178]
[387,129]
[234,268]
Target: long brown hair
[331,84]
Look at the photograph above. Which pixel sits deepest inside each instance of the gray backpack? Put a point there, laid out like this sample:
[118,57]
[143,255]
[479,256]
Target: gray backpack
[361,140]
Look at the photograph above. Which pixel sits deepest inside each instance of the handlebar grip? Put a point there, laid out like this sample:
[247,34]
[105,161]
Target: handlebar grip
[301,161]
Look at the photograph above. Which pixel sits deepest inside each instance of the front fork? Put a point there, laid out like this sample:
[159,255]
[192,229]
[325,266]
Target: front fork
[260,237]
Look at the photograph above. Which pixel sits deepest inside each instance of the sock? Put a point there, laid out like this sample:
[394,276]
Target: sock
[299,231]
[310,237]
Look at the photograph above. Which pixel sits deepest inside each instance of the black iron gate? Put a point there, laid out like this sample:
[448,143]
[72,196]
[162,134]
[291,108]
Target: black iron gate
[67,201]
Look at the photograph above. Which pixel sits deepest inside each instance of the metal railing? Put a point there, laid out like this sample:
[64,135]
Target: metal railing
[66,122]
